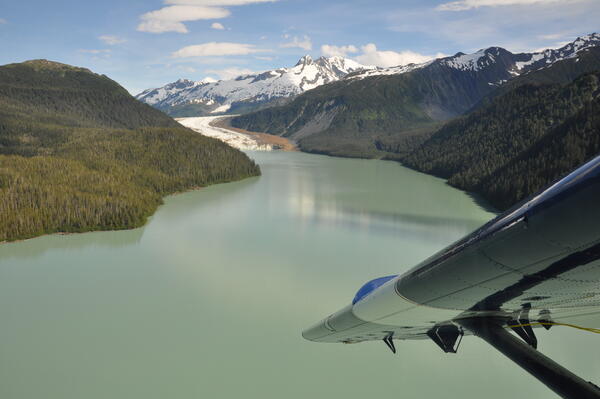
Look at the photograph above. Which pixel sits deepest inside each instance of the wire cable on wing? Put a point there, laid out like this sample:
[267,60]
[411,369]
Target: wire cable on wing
[551,323]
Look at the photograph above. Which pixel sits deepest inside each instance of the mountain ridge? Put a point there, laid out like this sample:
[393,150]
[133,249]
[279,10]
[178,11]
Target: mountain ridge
[247,91]
[375,112]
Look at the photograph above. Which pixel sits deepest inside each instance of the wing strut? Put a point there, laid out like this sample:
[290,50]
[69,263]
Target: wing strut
[554,376]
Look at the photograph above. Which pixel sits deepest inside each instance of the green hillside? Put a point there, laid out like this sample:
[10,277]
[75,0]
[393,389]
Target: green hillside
[78,153]
[575,141]
[511,147]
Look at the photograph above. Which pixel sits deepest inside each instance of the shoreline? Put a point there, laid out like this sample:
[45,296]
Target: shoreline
[477,198]
[146,221]
[277,142]
[223,123]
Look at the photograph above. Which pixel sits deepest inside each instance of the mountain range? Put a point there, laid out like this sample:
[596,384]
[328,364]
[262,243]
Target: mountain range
[494,123]
[381,111]
[247,92]
[251,92]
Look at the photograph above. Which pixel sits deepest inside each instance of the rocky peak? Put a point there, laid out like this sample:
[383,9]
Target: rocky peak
[306,60]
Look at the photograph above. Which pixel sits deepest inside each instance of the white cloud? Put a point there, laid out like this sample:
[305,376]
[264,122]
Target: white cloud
[462,5]
[230,73]
[340,51]
[171,18]
[555,39]
[3,21]
[554,45]
[217,26]
[188,69]
[161,26]
[212,3]
[95,51]
[516,28]
[371,56]
[552,36]
[111,40]
[304,43]
[216,49]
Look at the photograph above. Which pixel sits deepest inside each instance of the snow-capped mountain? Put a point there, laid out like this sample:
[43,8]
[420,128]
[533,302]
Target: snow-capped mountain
[154,96]
[512,64]
[364,110]
[248,91]
[491,67]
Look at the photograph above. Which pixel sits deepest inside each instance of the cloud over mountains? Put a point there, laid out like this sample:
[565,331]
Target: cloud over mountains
[172,17]
[216,49]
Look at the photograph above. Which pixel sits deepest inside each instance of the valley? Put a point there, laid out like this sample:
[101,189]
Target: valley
[215,198]
[469,118]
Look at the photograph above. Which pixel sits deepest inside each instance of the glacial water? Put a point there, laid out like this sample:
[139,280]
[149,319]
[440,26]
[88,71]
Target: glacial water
[209,298]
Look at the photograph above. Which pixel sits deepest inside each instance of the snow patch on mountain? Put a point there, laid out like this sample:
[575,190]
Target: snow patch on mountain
[470,62]
[550,56]
[395,70]
[222,108]
[258,88]
[154,96]
[534,58]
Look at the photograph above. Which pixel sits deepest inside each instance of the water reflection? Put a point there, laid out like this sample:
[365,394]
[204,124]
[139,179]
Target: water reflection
[35,248]
[357,202]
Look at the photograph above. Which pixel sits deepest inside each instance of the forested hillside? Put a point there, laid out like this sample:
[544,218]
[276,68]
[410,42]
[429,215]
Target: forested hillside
[78,153]
[575,141]
[518,142]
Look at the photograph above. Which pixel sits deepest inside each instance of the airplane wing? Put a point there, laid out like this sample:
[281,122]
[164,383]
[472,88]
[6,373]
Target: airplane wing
[538,264]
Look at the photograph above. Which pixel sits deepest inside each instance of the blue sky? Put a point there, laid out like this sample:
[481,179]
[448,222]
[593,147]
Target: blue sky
[148,43]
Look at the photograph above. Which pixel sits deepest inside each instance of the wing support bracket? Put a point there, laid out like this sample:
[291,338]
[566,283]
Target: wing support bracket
[522,326]
[447,337]
[553,375]
[389,342]
[545,318]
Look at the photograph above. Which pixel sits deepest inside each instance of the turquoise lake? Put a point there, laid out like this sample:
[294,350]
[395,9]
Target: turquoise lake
[208,300]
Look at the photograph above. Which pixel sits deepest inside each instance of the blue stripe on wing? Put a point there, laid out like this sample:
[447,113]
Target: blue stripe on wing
[370,287]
